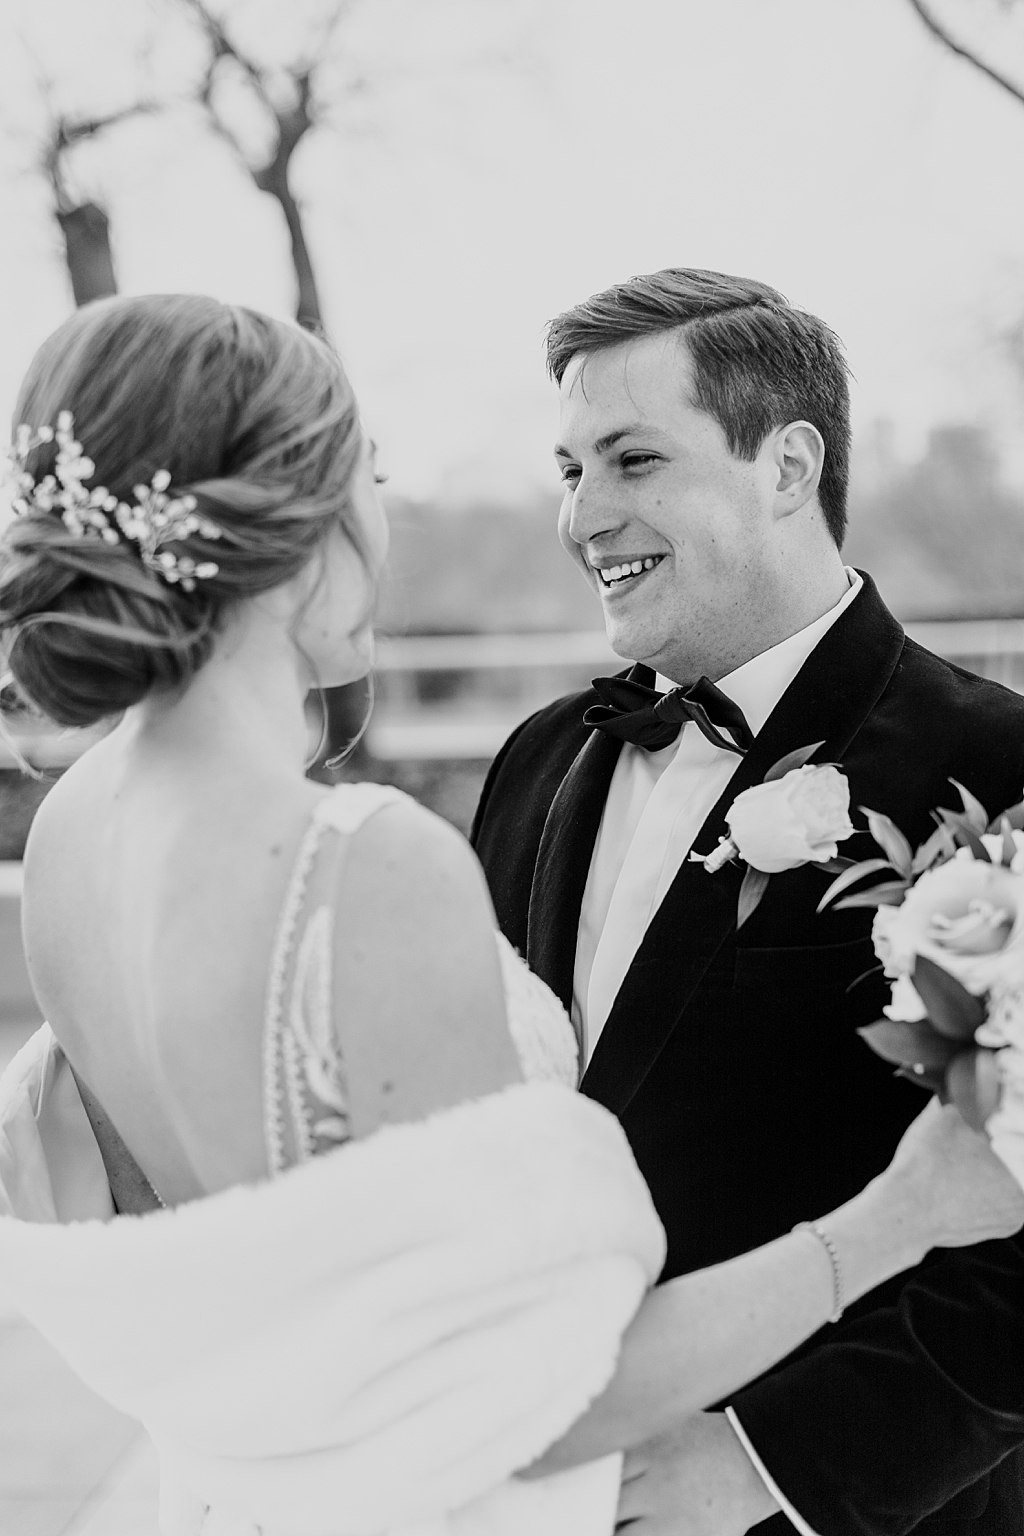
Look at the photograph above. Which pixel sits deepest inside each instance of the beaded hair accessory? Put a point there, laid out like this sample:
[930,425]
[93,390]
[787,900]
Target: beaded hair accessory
[151,521]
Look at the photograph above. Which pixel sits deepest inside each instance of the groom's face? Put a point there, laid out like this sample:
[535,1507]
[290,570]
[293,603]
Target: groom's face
[671,529]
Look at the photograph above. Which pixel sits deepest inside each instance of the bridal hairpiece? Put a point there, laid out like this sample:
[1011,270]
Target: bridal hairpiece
[153,520]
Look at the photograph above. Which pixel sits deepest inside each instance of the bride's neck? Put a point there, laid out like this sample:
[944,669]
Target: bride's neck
[247,701]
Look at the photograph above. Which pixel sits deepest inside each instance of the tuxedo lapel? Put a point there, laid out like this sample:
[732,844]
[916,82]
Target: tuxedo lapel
[563,863]
[829,700]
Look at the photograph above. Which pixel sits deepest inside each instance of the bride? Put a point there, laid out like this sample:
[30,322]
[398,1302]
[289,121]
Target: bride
[400,1259]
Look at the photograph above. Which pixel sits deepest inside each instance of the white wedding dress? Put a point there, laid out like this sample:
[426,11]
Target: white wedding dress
[375,1339]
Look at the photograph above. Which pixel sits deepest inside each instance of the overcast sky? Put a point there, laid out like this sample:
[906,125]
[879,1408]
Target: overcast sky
[508,157]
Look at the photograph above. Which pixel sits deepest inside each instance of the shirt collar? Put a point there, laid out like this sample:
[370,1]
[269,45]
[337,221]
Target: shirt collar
[758,685]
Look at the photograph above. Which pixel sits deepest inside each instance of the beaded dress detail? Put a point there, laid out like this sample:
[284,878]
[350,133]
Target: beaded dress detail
[305,1094]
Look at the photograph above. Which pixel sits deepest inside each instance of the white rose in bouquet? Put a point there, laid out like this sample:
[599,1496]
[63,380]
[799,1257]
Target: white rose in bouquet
[965,915]
[797,819]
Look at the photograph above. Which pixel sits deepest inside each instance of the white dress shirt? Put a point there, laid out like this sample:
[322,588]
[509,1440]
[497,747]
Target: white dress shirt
[657,803]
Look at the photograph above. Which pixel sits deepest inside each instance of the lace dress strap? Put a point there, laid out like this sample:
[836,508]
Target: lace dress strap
[305,1096]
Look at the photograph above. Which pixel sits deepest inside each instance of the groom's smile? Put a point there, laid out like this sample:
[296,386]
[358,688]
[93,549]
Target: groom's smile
[615,573]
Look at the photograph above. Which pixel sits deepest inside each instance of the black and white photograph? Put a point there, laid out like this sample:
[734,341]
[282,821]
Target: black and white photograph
[511,767]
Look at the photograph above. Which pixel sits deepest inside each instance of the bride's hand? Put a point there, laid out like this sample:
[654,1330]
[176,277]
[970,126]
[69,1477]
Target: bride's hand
[962,1193]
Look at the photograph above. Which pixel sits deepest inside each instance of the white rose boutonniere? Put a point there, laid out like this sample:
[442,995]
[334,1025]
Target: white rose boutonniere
[798,815]
[949,931]
[798,819]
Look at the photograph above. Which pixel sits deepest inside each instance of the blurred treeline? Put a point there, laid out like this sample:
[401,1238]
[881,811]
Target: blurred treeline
[942,536]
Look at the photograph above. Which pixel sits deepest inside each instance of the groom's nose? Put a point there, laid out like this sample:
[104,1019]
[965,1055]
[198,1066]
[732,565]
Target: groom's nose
[592,512]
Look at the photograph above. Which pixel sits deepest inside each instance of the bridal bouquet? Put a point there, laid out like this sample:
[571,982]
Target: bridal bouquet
[949,931]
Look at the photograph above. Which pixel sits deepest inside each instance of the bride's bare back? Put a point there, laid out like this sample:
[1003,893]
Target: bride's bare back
[152,899]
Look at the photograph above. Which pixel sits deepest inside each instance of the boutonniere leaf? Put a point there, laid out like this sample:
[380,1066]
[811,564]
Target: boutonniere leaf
[755,883]
[791,761]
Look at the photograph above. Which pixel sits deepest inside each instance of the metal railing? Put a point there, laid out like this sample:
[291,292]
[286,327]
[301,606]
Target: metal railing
[533,667]
[405,730]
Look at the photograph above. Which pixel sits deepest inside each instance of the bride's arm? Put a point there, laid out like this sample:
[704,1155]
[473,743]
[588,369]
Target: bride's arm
[698,1338]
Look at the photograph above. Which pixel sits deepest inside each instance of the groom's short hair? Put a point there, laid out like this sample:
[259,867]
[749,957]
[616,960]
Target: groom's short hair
[758,362]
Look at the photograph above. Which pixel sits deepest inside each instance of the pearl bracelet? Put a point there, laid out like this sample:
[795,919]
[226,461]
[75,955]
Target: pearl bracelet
[838,1302]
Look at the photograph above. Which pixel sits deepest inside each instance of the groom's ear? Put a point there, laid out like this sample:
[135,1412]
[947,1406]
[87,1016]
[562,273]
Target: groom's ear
[798,455]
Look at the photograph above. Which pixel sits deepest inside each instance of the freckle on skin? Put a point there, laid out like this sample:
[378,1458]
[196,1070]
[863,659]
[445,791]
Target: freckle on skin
[387,1087]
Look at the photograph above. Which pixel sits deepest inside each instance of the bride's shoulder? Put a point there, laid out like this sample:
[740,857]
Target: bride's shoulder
[380,814]
[418,986]
[404,860]
[346,807]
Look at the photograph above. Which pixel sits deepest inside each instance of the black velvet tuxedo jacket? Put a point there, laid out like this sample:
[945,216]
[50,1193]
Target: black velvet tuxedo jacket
[750,1102]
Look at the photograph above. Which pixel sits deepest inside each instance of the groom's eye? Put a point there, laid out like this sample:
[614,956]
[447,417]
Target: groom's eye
[571,473]
[638,460]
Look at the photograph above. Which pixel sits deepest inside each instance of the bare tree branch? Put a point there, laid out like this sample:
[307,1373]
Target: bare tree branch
[291,124]
[83,224]
[65,132]
[320,45]
[223,47]
[938,30]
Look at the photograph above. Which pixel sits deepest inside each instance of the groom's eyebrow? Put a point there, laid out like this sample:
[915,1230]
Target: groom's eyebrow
[602,444]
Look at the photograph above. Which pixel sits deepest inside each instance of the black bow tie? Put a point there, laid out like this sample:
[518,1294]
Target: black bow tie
[633,712]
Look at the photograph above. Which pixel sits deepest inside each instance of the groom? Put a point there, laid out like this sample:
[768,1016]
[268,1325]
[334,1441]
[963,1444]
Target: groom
[704,448]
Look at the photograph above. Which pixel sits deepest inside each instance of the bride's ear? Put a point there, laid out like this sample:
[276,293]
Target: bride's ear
[798,453]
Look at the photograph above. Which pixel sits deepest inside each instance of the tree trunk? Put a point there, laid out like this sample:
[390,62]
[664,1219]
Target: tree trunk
[90,263]
[307,309]
[273,179]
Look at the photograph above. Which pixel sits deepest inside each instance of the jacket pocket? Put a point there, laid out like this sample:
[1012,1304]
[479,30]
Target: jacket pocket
[806,965]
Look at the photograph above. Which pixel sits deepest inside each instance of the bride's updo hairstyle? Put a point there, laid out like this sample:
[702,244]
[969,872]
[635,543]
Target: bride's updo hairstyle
[251,416]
